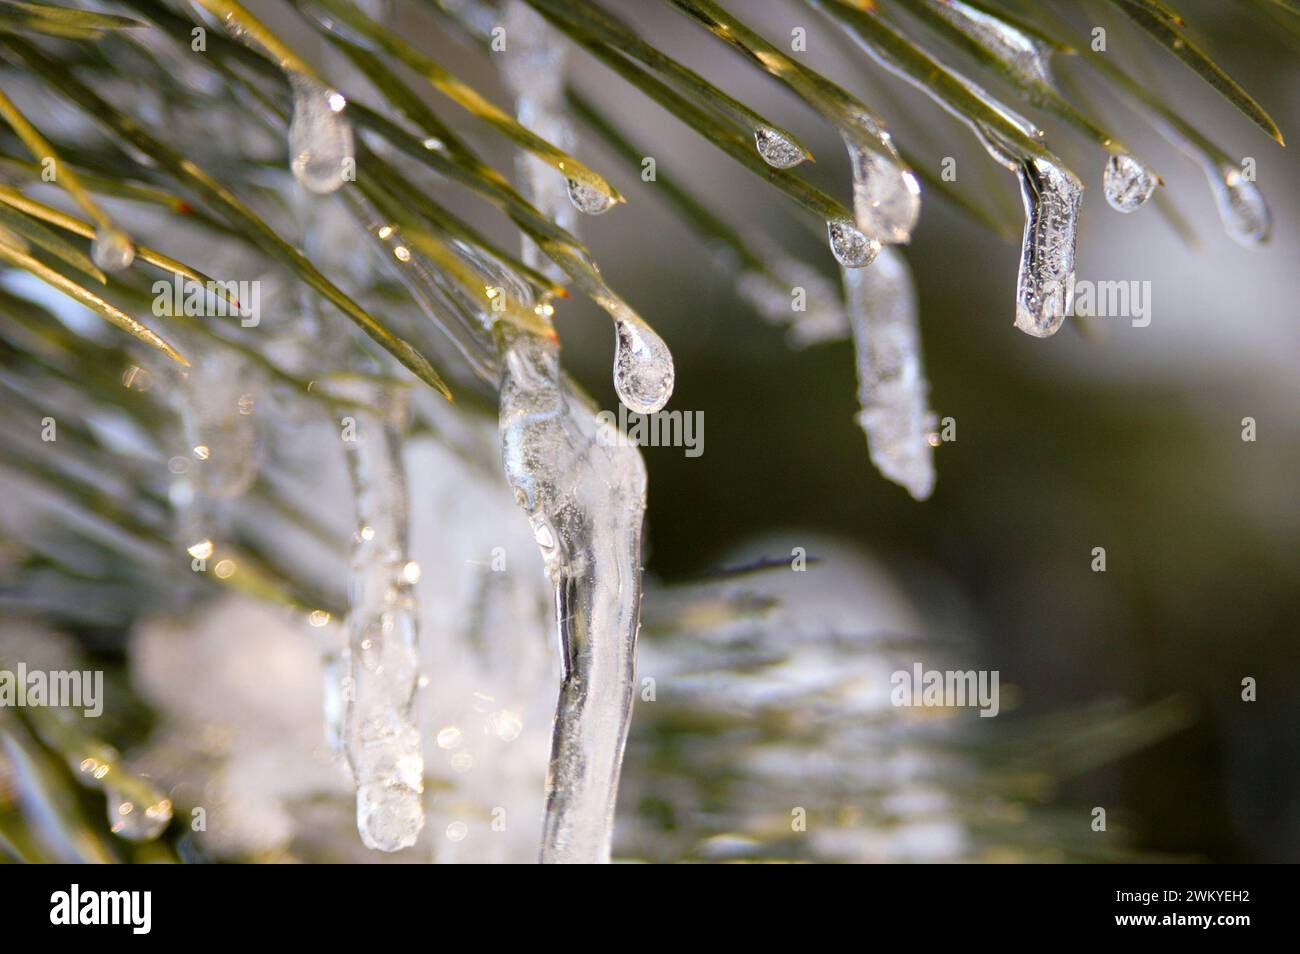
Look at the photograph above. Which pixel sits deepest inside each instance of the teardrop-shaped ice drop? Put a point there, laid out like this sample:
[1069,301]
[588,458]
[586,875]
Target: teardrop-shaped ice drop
[1242,207]
[112,250]
[851,248]
[643,367]
[588,199]
[136,821]
[320,138]
[777,149]
[1127,183]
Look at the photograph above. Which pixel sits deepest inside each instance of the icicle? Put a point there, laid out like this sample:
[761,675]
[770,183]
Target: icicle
[886,194]
[776,148]
[1127,183]
[1045,285]
[1242,207]
[892,388]
[851,248]
[584,492]
[1052,196]
[380,737]
[320,138]
[112,250]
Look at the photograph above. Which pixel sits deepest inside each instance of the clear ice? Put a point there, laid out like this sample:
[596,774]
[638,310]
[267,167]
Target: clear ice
[584,491]
[643,366]
[851,248]
[1045,284]
[892,388]
[380,736]
[1127,183]
[320,137]
[776,148]
[588,200]
[1052,196]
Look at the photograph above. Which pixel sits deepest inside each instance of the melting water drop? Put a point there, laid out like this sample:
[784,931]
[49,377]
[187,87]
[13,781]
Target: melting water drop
[851,248]
[1242,208]
[112,250]
[1127,183]
[320,137]
[584,492]
[380,737]
[589,200]
[777,149]
[643,366]
[892,388]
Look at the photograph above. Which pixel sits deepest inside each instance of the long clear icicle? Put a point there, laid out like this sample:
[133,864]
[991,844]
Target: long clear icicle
[892,388]
[380,736]
[585,494]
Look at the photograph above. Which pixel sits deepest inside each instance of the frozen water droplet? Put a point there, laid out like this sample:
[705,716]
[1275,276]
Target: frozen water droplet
[1052,195]
[851,248]
[137,820]
[1128,183]
[643,367]
[886,196]
[1242,208]
[320,138]
[892,388]
[777,149]
[112,250]
[588,199]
